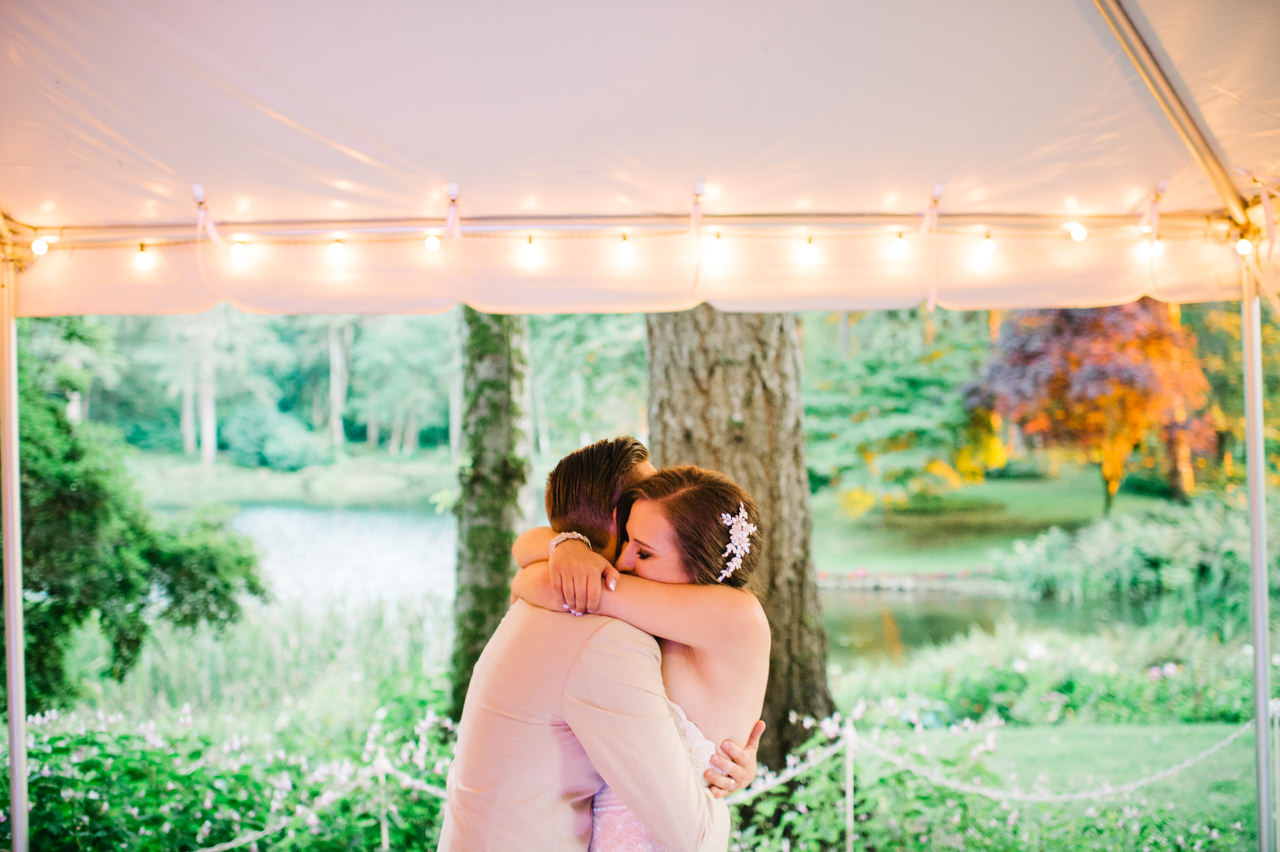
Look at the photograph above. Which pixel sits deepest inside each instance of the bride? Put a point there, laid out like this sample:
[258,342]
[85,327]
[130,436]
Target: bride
[690,545]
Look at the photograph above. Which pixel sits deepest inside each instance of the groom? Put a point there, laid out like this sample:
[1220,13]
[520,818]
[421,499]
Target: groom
[559,706]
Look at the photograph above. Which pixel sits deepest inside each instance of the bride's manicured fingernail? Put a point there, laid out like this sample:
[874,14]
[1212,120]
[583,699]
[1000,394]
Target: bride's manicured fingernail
[564,606]
[613,585]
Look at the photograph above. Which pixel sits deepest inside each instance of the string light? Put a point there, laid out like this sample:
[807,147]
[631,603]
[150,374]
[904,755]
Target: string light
[988,247]
[337,251]
[239,252]
[432,243]
[143,261]
[1157,247]
[626,250]
[714,251]
[39,246]
[1244,247]
[1077,231]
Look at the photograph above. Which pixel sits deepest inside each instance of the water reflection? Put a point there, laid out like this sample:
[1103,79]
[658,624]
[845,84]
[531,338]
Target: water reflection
[864,624]
[327,558]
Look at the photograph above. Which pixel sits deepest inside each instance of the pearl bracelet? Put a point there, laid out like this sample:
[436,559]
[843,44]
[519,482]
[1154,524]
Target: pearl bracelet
[561,538]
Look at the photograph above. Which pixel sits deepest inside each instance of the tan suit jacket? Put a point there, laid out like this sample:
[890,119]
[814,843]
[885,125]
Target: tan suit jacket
[556,707]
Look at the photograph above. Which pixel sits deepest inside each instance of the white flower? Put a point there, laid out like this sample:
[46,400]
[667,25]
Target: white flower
[1169,669]
[1019,665]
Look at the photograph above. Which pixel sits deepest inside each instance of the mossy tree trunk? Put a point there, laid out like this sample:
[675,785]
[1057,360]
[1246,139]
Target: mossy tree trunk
[494,469]
[724,393]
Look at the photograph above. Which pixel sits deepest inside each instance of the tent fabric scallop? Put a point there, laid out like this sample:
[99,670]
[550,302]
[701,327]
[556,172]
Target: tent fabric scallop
[328,113]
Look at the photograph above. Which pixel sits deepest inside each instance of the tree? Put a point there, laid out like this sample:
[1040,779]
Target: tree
[724,393]
[579,361]
[494,470]
[884,403]
[90,549]
[1099,379]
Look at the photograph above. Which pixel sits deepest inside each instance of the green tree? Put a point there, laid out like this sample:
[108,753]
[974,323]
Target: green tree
[885,407]
[90,549]
[588,379]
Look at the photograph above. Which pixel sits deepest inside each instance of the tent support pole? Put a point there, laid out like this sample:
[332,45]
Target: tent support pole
[1251,321]
[14,639]
[1176,111]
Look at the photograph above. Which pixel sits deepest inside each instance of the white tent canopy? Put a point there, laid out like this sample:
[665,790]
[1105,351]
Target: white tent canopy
[632,157]
[576,121]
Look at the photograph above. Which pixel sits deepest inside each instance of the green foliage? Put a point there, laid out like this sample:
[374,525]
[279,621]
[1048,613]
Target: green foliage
[258,436]
[886,418]
[1191,564]
[98,786]
[589,379]
[90,550]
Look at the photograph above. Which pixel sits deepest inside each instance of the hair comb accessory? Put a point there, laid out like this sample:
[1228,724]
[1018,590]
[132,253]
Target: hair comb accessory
[740,530]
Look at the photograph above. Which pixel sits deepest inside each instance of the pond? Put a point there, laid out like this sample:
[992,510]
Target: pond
[326,558]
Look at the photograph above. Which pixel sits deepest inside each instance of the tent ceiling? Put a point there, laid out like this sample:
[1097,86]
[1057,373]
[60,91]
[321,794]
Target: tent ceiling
[327,111]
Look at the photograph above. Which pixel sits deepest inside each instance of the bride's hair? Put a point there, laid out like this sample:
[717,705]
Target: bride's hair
[696,502]
[584,487]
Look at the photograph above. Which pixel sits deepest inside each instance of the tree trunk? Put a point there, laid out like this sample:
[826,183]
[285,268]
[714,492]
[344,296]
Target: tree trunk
[188,418]
[397,432]
[409,441]
[495,468]
[208,407]
[724,393]
[337,386]
[371,435]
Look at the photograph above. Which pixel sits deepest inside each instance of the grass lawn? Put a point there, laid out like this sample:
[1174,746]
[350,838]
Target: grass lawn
[1220,789]
[986,516]
[361,478]
[1076,758]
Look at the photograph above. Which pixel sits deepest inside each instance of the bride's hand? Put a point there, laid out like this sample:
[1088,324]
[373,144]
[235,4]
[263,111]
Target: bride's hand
[579,574]
[737,764]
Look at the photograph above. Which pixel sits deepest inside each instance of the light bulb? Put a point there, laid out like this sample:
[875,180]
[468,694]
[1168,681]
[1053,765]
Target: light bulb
[1077,231]
[337,251]
[900,245]
[1244,247]
[143,261]
[1157,247]
[39,247]
[432,242]
[809,253]
[239,252]
[988,246]
[530,256]
[626,249]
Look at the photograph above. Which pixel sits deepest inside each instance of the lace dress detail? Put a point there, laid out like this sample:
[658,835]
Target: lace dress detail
[613,827]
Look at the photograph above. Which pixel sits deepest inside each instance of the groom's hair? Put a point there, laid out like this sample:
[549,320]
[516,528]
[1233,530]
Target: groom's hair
[584,487]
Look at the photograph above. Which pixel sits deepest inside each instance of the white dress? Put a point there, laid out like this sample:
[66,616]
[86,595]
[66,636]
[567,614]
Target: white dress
[613,827]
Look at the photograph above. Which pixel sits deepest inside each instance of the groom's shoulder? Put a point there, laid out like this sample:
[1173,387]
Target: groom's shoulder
[526,624]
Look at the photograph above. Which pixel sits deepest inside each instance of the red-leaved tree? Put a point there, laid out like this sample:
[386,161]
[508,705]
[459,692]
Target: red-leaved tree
[1100,379]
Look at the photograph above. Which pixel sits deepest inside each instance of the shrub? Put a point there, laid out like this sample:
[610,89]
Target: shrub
[1190,563]
[258,436]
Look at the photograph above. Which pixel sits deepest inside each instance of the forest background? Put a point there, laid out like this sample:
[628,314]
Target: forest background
[985,454]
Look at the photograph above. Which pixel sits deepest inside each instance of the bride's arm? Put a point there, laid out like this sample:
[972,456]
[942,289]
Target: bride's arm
[701,616]
[531,545]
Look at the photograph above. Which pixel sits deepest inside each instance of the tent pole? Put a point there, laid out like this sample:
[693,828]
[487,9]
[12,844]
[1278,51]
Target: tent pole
[1176,111]
[14,642]
[1251,321]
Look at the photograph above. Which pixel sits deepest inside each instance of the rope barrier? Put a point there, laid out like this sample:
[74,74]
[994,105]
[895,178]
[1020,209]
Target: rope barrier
[847,744]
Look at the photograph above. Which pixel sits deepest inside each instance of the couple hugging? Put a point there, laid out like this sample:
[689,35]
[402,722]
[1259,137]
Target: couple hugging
[599,732]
